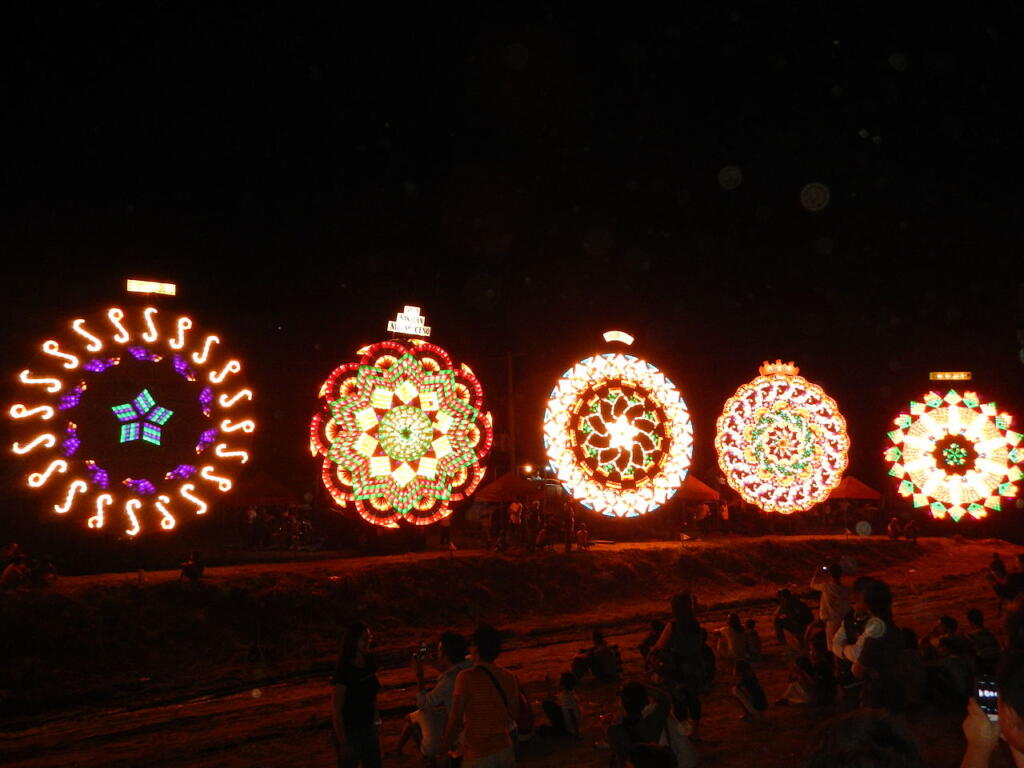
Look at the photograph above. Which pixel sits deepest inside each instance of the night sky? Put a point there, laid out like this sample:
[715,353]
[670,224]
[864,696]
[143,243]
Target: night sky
[530,180]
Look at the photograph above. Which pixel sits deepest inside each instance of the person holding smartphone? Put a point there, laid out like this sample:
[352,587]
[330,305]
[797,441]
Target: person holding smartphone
[426,725]
[985,722]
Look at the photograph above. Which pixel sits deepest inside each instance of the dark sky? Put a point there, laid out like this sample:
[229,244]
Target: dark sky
[530,180]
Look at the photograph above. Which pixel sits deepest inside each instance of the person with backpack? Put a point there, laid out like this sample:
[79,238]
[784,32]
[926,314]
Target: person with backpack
[485,703]
[682,663]
[647,726]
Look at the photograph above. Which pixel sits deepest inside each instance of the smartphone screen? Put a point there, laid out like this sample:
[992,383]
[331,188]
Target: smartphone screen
[988,697]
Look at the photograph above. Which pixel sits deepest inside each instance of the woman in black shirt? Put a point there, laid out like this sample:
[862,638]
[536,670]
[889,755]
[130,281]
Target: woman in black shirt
[356,717]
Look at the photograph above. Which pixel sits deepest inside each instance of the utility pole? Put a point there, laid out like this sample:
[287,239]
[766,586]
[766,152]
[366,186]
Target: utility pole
[511,414]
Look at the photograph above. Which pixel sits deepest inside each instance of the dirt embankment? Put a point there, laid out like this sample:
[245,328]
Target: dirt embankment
[109,638]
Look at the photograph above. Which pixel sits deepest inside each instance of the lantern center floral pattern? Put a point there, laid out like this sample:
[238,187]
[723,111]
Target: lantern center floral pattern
[402,433]
[955,455]
[405,433]
[618,434]
[781,441]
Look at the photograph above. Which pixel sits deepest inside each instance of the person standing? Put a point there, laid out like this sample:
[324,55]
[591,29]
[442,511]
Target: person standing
[570,524]
[515,522]
[874,654]
[835,598]
[681,662]
[485,702]
[445,527]
[354,697]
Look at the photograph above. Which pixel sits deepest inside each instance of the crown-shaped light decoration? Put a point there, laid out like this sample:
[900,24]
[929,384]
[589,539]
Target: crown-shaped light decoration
[778,368]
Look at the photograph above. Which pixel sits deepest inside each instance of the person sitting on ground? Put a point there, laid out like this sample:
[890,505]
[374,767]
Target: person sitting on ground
[910,530]
[563,709]
[426,724]
[945,627]
[748,692]
[601,659]
[815,633]
[835,598]
[983,643]
[911,670]
[732,640]
[192,569]
[647,722]
[791,616]
[657,627]
[16,573]
[950,673]
[582,537]
[866,738]
[486,697]
[812,679]
[753,640]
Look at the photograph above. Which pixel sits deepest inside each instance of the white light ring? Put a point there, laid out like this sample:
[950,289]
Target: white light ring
[590,373]
[831,439]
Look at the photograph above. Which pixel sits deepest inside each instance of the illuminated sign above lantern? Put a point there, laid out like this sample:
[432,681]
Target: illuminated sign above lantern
[622,336]
[950,375]
[409,323]
[149,286]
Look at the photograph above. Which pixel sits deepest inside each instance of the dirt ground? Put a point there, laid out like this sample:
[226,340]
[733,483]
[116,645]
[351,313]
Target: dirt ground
[286,722]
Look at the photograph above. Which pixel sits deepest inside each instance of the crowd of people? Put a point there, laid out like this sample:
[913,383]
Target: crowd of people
[849,655]
[19,568]
[530,527]
[280,528]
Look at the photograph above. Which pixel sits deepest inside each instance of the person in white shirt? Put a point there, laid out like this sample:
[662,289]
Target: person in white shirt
[835,598]
[426,724]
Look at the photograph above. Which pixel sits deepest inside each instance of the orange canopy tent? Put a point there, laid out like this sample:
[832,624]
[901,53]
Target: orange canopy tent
[694,489]
[509,487]
[852,488]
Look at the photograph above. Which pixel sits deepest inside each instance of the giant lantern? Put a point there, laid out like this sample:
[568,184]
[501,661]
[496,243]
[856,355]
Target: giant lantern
[402,431]
[617,433]
[955,454]
[133,417]
[781,441]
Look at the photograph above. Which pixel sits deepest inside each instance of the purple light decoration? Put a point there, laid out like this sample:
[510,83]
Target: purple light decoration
[141,486]
[72,398]
[182,368]
[71,442]
[141,353]
[100,364]
[98,475]
[180,472]
[205,439]
[206,400]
